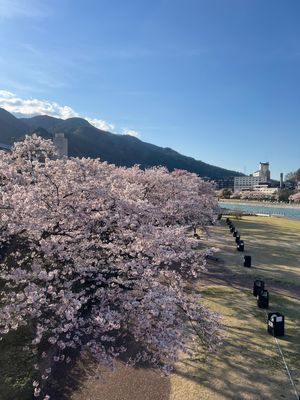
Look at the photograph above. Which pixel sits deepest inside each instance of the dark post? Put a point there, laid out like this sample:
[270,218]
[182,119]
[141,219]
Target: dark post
[240,246]
[247,261]
[276,324]
[263,299]
[235,233]
[258,285]
[237,239]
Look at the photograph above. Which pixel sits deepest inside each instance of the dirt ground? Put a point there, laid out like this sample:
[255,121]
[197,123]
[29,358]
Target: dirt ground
[248,365]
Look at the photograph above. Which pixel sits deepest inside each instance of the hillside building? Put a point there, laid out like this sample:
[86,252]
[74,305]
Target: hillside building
[225,183]
[262,176]
[263,172]
[245,182]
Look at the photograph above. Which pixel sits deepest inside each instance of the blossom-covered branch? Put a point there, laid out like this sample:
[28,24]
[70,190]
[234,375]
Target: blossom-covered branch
[96,256]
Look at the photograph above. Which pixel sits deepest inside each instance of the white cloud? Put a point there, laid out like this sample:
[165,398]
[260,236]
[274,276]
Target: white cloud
[32,107]
[5,93]
[131,132]
[100,124]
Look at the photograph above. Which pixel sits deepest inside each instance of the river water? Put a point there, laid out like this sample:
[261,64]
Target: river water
[284,211]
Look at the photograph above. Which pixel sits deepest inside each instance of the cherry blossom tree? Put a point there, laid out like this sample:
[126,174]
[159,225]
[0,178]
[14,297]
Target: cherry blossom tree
[254,195]
[96,257]
[295,198]
[236,195]
[177,198]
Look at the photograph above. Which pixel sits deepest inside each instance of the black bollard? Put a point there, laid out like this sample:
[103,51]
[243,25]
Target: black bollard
[240,246]
[276,324]
[247,261]
[258,285]
[263,299]
[237,239]
[235,233]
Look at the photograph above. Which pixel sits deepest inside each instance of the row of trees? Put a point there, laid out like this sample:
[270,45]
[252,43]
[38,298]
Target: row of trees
[96,256]
[254,195]
[285,195]
[293,176]
[295,198]
[247,195]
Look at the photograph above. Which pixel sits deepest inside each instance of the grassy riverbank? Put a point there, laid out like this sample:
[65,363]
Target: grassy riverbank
[248,366]
[273,243]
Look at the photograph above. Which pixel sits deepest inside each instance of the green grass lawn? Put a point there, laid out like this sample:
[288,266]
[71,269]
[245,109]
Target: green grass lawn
[273,243]
[248,365]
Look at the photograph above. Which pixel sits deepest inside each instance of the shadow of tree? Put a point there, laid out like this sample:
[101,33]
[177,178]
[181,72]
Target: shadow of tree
[248,365]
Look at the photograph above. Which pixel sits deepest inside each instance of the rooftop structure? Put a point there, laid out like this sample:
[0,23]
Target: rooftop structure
[263,172]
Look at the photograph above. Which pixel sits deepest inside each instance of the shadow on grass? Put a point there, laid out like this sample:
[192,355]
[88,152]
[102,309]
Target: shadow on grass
[248,365]
[127,383]
[274,259]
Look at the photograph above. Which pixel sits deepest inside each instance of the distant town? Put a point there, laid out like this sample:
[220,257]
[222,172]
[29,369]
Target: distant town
[259,181]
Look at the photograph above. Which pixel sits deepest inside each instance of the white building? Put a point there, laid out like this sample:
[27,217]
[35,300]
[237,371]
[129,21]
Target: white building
[263,172]
[263,175]
[245,182]
[61,144]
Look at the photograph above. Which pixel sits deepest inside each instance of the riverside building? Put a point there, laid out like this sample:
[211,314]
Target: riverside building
[262,176]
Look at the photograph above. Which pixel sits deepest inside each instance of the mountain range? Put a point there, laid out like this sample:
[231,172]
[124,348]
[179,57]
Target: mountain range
[84,140]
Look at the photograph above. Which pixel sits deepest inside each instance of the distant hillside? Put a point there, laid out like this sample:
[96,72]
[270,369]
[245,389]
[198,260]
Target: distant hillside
[87,141]
[11,128]
[54,125]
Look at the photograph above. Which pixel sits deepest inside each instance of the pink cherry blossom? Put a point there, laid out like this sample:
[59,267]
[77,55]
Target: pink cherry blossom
[295,197]
[99,256]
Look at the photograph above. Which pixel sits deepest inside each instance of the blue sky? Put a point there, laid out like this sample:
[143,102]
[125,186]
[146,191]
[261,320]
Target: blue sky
[218,80]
